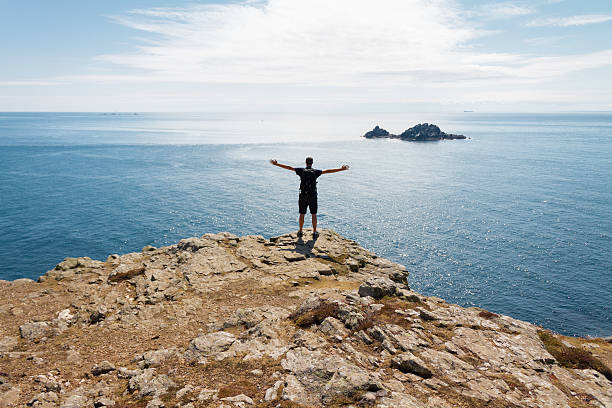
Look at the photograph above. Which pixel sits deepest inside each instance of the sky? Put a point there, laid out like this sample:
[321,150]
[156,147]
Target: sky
[306,55]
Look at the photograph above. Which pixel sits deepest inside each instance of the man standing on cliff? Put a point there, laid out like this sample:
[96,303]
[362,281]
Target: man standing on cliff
[308,190]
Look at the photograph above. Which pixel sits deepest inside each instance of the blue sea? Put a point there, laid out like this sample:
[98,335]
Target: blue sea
[517,219]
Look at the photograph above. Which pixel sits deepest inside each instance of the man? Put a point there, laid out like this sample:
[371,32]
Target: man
[308,190]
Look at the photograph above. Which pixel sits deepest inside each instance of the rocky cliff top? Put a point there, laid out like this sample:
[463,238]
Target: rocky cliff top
[420,132]
[227,321]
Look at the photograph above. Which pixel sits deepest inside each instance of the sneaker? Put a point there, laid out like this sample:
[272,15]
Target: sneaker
[315,235]
[299,234]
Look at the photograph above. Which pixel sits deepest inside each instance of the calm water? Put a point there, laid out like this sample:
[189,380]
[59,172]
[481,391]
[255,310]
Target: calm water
[517,220]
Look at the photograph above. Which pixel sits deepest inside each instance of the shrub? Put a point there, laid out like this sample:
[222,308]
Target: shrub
[315,316]
[572,357]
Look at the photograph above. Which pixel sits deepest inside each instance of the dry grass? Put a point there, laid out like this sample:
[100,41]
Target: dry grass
[572,357]
[487,315]
[387,314]
[574,400]
[316,315]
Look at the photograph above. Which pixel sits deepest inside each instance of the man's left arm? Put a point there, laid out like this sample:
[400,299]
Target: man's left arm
[344,167]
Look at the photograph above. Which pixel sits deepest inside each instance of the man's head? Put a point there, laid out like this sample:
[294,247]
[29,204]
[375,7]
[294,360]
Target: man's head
[309,161]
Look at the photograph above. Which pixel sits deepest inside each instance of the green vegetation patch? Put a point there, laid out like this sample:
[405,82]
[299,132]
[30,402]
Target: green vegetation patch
[572,357]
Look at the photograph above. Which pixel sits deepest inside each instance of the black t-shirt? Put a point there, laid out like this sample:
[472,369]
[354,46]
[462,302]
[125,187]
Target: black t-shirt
[308,179]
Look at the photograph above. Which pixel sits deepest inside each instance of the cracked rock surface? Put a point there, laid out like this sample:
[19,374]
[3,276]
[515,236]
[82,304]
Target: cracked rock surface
[227,321]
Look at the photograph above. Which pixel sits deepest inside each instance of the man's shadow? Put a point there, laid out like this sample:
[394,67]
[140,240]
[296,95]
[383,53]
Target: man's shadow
[305,247]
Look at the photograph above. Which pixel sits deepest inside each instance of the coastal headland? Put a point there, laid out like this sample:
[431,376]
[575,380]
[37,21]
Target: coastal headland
[423,132]
[228,321]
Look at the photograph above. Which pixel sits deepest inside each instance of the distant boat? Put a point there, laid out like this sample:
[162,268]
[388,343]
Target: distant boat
[468,111]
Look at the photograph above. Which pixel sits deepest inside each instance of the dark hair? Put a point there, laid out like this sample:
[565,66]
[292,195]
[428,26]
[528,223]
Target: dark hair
[309,161]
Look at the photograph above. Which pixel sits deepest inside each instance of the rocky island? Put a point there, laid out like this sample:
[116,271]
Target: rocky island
[421,132]
[228,321]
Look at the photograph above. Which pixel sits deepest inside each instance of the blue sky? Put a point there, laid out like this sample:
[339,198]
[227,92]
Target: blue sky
[315,55]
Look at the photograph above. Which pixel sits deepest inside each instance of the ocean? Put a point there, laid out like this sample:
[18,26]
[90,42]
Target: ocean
[517,219]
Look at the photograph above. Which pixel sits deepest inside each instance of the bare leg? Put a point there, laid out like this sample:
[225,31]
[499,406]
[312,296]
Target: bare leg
[301,221]
[314,223]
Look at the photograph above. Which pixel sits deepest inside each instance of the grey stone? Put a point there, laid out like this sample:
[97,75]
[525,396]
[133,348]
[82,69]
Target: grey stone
[333,327]
[238,399]
[377,287]
[103,368]
[35,331]
[147,383]
[75,401]
[272,392]
[409,363]
[104,402]
[8,343]
[209,345]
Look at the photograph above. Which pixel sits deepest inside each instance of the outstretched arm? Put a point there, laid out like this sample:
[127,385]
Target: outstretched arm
[284,166]
[344,167]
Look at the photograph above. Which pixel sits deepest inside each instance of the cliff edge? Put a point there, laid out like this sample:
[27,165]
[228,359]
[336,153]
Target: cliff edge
[227,321]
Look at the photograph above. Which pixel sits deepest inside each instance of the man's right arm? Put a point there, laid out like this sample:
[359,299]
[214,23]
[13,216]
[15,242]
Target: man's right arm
[284,166]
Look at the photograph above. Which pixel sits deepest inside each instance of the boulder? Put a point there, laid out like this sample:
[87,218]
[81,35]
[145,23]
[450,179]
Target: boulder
[210,344]
[377,287]
[35,331]
[409,363]
[102,368]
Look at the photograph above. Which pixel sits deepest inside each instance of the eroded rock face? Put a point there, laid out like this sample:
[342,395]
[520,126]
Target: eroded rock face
[229,321]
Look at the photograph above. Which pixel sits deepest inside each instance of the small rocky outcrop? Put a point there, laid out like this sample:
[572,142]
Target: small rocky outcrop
[421,132]
[228,321]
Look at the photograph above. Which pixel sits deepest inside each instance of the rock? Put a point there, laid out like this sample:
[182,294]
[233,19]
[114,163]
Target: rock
[342,346]
[103,368]
[154,358]
[155,403]
[104,402]
[420,132]
[147,383]
[96,317]
[209,345]
[409,363]
[148,248]
[68,263]
[333,327]
[35,331]
[250,317]
[66,317]
[8,343]
[75,401]
[377,287]
[294,256]
[184,391]
[9,397]
[125,272]
[239,398]
[207,394]
[376,133]
[272,392]
[126,373]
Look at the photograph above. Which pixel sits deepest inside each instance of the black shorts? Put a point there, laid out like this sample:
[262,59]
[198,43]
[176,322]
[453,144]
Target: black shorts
[306,201]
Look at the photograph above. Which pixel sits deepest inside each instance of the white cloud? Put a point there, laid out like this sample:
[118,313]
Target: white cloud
[571,21]
[322,43]
[284,53]
[502,10]
[297,42]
